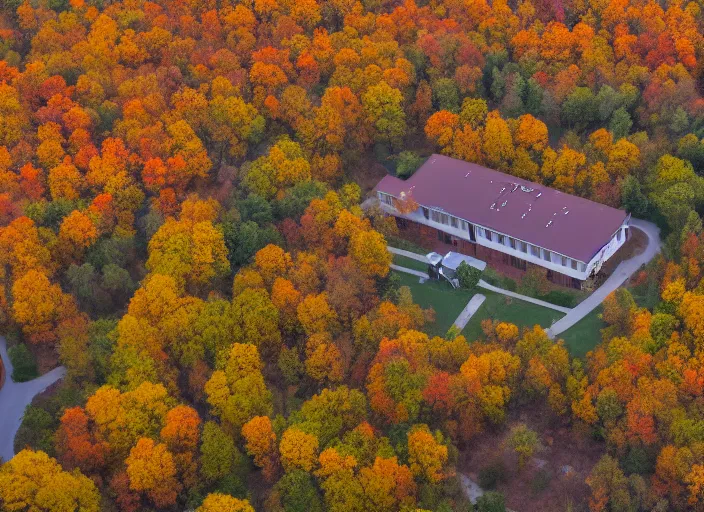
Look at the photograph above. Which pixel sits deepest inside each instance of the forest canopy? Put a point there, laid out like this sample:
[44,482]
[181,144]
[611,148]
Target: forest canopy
[181,227]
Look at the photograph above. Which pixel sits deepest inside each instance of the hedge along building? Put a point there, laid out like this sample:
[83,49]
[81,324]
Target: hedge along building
[505,220]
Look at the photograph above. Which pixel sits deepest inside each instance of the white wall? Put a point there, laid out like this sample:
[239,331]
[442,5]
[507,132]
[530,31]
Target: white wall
[555,264]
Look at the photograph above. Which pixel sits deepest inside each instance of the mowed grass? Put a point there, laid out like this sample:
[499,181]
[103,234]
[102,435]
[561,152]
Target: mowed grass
[585,334]
[445,300]
[506,309]
[405,261]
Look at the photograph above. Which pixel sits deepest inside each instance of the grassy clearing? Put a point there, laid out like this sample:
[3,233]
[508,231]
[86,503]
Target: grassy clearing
[446,301]
[585,334]
[407,262]
[505,309]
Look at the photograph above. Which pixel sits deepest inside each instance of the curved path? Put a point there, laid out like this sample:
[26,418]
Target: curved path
[15,397]
[624,270]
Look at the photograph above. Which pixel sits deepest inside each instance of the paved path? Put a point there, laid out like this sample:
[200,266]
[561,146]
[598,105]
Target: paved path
[624,270]
[15,397]
[407,254]
[482,283]
[472,306]
[525,298]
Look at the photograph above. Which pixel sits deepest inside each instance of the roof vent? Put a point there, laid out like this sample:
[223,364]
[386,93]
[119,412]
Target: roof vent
[515,186]
[466,175]
[504,204]
[523,216]
[526,189]
[492,206]
[539,194]
[567,212]
[554,214]
[548,224]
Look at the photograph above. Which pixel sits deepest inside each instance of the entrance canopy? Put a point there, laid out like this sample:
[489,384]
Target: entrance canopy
[452,260]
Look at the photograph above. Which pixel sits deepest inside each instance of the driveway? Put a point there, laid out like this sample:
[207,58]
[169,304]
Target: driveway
[15,397]
[624,270]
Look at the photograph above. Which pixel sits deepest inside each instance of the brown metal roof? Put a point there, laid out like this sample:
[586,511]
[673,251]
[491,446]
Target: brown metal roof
[543,216]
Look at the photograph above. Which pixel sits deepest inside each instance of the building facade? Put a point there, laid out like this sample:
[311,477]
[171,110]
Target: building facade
[503,220]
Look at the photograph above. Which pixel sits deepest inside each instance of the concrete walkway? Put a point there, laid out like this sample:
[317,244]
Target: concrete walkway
[624,270]
[408,254]
[468,312]
[526,298]
[418,273]
[15,397]
[482,283]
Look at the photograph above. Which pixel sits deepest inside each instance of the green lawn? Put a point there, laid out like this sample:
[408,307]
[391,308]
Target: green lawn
[585,334]
[405,261]
[446,301]
[502,308]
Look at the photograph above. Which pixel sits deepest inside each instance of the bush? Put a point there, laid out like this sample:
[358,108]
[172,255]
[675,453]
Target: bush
[24,367]
[560,298]
[492,475]
[535,282]
[492,501]
[468,276]
[492,277]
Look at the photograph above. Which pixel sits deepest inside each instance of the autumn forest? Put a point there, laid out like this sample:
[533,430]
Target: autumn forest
[181,228]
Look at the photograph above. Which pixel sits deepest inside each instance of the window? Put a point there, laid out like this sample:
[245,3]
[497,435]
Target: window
[523,246]
[444,218]
[487,233]
[573,264]
[386,199]
[518,263]
[535,251]
[454,222]
[502,239]
[546,255]
[618,235]
[426,212]
[512,242]
[435,216]
[564,261]
[582,267]
[465,225]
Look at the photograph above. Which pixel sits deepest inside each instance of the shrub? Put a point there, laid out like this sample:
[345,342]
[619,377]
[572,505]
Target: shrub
[492,501]
[523,441]
[492,475]
[492,277]
[535,282]
[24,367]
[560,298]
[468,276]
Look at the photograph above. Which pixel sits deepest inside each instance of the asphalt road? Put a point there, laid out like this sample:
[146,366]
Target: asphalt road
[624,270]
[15,397]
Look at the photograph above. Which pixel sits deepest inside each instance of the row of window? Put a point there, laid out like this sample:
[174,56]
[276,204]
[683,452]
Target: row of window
[492,236]
[448,220]
[526,248]
[386,199]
